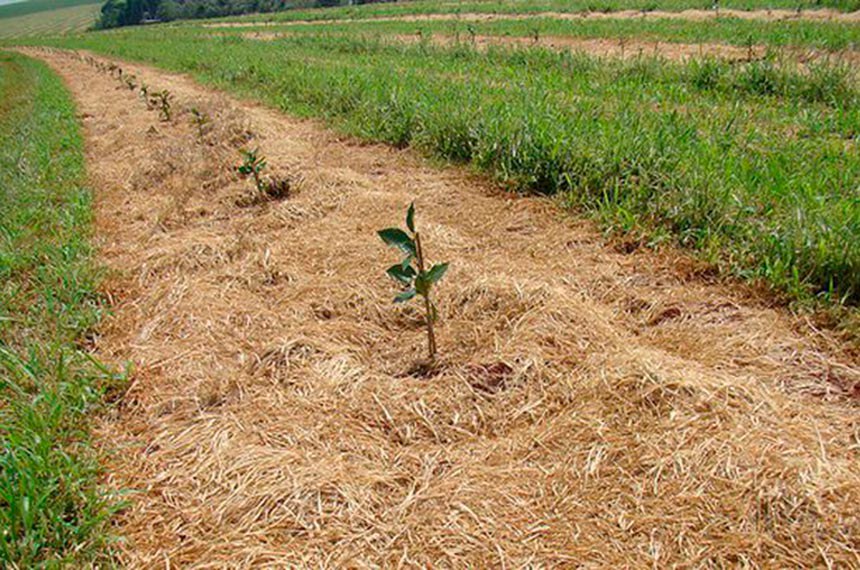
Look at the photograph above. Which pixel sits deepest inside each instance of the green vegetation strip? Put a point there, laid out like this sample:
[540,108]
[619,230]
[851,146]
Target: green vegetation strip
[732,31]
[755,166]
[51,510]
[424,7]
[55,22]
[18,9]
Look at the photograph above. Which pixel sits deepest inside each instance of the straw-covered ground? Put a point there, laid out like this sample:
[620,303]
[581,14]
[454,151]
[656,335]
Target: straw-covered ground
[598,406]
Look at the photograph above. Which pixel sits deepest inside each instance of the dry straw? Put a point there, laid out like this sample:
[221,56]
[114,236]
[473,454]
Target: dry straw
[592,408]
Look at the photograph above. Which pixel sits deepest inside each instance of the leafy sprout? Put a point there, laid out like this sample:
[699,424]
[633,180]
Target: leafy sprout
[162,100]
[253,165]
[200,120]
[412,272]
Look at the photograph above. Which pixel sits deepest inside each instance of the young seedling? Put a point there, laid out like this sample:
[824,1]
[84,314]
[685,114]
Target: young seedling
[200,120]
[130,82]
[750,45]
[252,165]
[161,101]
[417,279]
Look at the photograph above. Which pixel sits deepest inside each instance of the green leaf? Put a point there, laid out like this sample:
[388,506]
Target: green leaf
[400,273]
[404,296]
[423,284]
[436,272]
[410,217]
[399,239]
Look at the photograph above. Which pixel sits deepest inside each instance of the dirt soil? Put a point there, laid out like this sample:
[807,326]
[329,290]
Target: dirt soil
[596,405]
[823,15]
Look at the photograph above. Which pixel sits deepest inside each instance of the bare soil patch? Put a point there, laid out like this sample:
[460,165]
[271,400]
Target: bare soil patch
[822,15]
[595,405]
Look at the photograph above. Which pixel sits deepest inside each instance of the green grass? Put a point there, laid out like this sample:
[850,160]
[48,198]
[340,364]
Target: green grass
[804,34]
[51,510]
[19,9]
[50,22]
[754,166]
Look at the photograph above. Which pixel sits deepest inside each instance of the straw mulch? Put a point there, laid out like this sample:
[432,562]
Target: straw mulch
[595,406]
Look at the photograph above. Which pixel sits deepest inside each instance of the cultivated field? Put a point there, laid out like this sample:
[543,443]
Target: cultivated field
[648,333]
[19,23]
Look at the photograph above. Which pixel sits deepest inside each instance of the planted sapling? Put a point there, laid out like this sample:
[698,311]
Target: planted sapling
[270,188]
[252,165]
[200,120]
[161,101]
[413,274]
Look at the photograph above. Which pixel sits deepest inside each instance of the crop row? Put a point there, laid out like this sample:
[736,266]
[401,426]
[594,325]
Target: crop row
[421,7]
[755,165]
[797,34]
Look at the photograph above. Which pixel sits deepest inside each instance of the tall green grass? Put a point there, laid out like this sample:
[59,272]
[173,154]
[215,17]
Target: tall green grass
[755,166]
[52,512]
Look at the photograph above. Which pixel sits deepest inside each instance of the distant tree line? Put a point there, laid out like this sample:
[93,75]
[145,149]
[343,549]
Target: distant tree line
[116,13]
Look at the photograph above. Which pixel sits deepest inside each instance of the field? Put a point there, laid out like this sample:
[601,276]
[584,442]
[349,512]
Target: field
[35,18]
[648,334]
[694,152]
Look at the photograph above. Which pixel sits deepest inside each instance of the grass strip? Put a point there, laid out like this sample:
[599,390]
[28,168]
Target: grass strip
[52,512]
[423,7]
[829,36]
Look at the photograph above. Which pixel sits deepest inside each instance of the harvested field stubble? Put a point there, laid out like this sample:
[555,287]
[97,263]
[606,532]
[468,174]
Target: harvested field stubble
[592,406]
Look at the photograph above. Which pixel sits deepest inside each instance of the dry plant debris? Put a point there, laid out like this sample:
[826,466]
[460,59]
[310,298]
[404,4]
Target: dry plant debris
[596,407]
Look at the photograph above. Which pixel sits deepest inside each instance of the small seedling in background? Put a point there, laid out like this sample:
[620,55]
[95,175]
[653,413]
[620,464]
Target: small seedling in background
[253,165]
[130,82]
[161,101]
[144,92]
[535,34]
[418,280]
[270,188]
[200,120]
